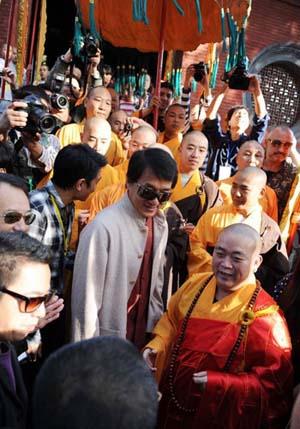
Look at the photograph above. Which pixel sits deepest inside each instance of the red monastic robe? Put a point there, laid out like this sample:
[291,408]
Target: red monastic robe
[255,392]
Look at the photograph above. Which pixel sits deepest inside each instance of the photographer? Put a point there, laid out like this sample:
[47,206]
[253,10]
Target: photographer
[224,146]
[34,148]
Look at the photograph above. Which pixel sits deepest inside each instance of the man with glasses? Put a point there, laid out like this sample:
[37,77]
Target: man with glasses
[118,273]
[283,176]
[23,297]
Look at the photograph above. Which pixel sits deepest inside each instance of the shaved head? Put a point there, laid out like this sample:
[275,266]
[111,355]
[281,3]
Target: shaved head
[97,134]
[118,120]
[254,174]
[195,136]
[244,232]
[236,258]
[162,147]
[248,186]
[141,138]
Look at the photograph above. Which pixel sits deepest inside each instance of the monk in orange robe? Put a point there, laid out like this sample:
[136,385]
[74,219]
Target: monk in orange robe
[222,351]
[251,154]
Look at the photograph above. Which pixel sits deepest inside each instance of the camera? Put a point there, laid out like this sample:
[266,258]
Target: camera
[90,46]
[57,82]
[201,69]
[127,128]
[239,78]
[59,101]
[38,121]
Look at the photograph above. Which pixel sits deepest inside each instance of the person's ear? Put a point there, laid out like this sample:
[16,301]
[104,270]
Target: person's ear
[257,262]
[262,192]
[79,184]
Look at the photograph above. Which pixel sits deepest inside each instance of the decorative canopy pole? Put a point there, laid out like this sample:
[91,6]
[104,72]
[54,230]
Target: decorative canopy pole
[160,57]
[8,40]
[32,42]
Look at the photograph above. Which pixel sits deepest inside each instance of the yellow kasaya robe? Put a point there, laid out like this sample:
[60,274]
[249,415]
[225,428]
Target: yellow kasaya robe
[108,177]
[195,196]
[268,202]
[291,206]
[108,196]
[121,171]
[242,395]
[207,231]
[72,133]
[172,144]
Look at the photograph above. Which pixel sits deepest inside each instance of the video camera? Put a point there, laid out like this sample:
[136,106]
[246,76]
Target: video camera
[238,78]
[201,69]
[39,120]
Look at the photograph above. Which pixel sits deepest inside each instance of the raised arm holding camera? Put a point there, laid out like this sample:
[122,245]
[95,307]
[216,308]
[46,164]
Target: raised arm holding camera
[224,146]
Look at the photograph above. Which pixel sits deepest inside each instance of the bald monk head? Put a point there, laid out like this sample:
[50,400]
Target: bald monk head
[98,103]
[97,134]
[162,147]
[236,258]
[250,154]
[248,187]
[192,151]
[117,121]
[141,138]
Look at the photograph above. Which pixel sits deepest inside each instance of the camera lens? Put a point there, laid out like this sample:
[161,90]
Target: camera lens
[47,123]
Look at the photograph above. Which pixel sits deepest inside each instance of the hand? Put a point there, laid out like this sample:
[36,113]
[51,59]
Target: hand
[83,218]
[9,77]
[29,139]
[12,117]
[53,309]
[155,101]
[254,86]
[125,139]
[34,351]
[95,61]
[149,356]
[67,57]
[201,379]
[188,228]
[189,74]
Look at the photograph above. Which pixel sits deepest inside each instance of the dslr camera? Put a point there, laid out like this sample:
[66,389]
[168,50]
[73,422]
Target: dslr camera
[90,46]
[38,121]
[201,69]
[239,79]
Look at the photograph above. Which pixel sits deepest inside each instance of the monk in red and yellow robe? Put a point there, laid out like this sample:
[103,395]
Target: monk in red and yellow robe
[254,390]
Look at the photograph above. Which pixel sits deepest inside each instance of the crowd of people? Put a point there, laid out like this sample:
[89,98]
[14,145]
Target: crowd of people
[148,274]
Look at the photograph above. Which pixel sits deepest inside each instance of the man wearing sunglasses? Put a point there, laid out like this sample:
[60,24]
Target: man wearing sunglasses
[283,176]
[23,297]
[118,273]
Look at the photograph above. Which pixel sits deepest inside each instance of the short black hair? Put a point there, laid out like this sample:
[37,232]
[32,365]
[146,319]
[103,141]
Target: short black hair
[15,247]
[15,181]
[74,162]
[167,85]
[98,383]
[157,160]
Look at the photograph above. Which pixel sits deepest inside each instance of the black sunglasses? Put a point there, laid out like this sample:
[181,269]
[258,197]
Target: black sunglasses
[278,143]
[13,216]
[149,194]
[28,304]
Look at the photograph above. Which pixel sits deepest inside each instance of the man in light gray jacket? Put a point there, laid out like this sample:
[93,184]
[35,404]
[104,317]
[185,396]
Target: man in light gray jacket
[118,274]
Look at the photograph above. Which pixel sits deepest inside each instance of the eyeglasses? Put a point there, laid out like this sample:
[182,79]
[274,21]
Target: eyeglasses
[278,143]
[149,194]
[28,304]
[13,216]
